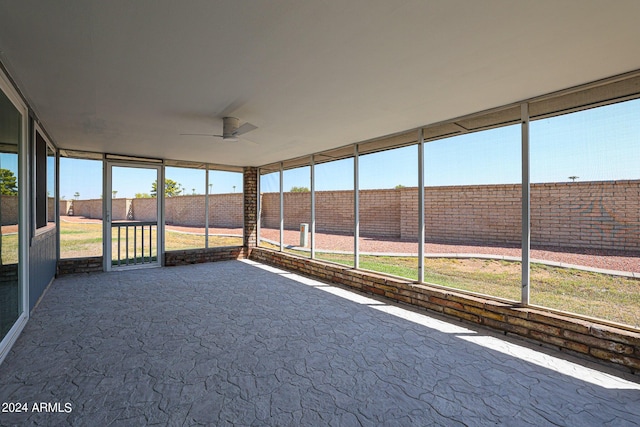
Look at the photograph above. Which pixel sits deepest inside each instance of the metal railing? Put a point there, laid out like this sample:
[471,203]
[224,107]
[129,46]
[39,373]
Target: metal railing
[144,240]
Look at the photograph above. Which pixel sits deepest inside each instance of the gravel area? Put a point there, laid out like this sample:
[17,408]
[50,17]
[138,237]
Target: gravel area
[594,258]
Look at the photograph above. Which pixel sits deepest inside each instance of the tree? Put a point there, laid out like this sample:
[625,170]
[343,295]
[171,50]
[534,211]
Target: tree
[114,192]
[8,183]
[399,186]
[76,195]
[299,190]
[171,188]
[143,196]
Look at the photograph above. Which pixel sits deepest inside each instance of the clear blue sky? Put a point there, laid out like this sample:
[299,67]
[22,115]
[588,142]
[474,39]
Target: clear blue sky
[596,144]
[85,177]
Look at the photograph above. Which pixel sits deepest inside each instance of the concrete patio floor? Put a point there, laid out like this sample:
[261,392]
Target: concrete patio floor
[239,343]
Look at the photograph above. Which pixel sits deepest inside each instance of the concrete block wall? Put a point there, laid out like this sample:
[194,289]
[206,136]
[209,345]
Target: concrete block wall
[91,208]
[270,210]
[610,344]
[145,209]
[334,212]
[601,215]
[182,210]
[64,206]
[9,210]
[297,209]
[380,213]
[226,210]
[51,209]
[465,214]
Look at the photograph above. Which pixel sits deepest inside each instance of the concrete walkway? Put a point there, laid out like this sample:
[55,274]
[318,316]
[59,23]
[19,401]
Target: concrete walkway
[237,343]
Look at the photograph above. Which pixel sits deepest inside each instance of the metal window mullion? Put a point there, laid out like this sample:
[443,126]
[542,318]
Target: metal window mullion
[421,228]
[107,229]
[356,209]
[526,205]
[281,207]
[313,207]
[160,223]
[57,202]
[206,208]
[258,208]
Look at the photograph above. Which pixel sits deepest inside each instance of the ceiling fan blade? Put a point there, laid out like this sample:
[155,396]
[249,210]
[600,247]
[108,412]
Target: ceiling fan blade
[200,134]
[245,128]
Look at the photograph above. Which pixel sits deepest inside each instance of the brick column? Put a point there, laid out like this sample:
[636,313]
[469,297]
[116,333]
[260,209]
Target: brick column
[250,207]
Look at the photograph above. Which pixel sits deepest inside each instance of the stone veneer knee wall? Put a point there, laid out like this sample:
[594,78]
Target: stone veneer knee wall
[606,343]
[198,256]
[171,258]
[79,265]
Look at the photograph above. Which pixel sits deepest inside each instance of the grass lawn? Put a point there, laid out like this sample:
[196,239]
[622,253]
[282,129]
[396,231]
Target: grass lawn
[602,296]
[10,249]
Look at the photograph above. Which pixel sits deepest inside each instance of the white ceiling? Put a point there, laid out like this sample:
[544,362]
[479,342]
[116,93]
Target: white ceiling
[129,77]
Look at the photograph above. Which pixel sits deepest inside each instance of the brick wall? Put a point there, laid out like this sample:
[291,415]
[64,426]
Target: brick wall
[250,209]
[607,343]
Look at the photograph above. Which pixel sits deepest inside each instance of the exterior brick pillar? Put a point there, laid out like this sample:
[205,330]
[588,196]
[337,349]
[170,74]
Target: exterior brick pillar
[250,208]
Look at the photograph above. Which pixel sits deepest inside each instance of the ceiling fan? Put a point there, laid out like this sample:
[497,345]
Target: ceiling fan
[231,130]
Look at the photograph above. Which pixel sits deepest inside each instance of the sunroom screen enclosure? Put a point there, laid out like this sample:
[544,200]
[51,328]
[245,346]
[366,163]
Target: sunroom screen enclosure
[535,203]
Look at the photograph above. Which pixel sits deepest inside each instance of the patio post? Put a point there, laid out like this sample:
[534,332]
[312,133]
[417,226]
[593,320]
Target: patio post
[250,205]
[526,223]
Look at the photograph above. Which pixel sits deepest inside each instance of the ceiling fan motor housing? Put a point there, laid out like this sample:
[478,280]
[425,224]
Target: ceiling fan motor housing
[229,128]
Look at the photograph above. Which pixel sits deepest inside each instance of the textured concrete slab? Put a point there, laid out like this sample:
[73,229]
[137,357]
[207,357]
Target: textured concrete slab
[237,343]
